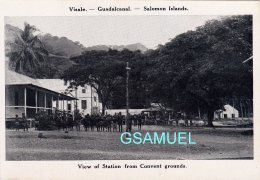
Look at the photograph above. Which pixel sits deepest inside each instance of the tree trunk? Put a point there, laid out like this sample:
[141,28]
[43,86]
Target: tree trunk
[103,108]
[210,116]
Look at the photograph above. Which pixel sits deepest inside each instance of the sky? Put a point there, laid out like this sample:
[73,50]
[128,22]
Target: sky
[114,30]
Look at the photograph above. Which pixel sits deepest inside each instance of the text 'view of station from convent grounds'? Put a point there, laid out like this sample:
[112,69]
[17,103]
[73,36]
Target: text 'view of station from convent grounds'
[129,87]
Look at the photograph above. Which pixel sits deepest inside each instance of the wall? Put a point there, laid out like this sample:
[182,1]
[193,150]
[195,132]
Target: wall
[10,112]
[89,95]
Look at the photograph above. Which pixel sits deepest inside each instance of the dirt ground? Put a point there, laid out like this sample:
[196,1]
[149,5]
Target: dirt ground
[219,143]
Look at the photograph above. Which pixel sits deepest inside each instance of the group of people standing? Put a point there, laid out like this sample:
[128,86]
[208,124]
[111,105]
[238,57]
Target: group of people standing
[111,123]
[66,121]
[21,123]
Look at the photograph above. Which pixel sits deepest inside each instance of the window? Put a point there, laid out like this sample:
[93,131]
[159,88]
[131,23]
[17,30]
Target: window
[225,115]
[83,90]
[83,104]
[69,107]
[95,98]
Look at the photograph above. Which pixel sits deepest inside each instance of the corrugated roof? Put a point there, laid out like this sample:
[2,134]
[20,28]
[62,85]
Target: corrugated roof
[53,84]
[14,78]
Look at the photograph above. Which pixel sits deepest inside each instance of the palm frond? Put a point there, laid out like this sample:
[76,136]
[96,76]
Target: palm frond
[27,51]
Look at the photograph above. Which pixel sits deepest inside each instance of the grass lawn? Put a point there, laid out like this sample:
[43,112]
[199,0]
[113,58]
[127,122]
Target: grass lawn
[219,143]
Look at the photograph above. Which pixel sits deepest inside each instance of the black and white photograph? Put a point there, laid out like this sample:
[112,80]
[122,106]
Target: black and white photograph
[129,87]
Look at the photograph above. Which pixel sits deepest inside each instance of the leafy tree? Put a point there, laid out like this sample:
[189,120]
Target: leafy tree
[45,70]
[103,70]
[138,87]
[27,51]
[204,66]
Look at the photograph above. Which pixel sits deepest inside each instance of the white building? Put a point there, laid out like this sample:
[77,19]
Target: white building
[25,96]
[123,111]
[230,112]
[87,103]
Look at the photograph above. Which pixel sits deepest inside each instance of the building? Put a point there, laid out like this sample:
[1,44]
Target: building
[229,113]
[26,96]
[88,101]
[123,111]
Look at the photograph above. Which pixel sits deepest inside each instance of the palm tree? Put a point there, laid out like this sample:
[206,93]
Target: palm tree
[27,51]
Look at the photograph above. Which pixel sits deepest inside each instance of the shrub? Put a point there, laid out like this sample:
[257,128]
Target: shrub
[45,121]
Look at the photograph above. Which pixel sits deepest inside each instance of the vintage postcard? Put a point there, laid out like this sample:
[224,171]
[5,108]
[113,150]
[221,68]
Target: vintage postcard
[130,90]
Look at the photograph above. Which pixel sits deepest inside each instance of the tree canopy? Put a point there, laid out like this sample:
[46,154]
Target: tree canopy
[27,51]
[205,66]
[197,69]
[103,70]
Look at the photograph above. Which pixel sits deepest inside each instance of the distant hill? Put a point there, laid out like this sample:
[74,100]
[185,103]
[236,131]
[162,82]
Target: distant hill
[10,35]
[131,47]
[58,59]
[62,48]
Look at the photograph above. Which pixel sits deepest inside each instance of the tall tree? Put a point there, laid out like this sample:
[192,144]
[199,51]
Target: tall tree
[205,66]
[103,70]
[27,51]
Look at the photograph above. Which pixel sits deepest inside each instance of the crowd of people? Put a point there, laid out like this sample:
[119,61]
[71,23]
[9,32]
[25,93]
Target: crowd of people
[21,123]
[96,122]
[110,123]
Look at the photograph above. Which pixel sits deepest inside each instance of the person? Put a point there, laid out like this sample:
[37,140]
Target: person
[139,122]
[86,122]
[114,122]
[17,123]
[129,123]
[78,119]
[135,119]
[92,120]
[178,117]
[109,122]
[98,123]
[64,121]
[191,123]
[24,123]
[120,122]
[186,122]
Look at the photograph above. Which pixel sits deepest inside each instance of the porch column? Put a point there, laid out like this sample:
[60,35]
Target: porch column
[25,102]
[63,104]
[52,103]
[91,101]
[74,105]
[36,101]
[57,103]
[45,101]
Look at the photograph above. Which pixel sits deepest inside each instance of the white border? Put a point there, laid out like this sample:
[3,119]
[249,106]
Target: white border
[197,169]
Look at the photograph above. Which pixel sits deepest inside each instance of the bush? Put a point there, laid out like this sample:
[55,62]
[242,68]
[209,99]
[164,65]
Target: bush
[45,121]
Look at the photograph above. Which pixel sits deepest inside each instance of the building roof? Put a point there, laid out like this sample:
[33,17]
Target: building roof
[123,111]
[14,78]
[53,84]
[227,107]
